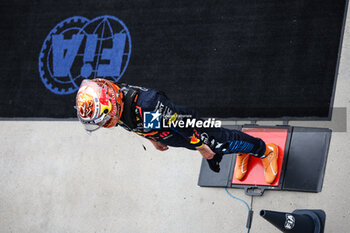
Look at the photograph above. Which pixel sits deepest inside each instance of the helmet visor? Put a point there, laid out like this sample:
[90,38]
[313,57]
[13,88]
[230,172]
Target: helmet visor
[90,127]
[93,125]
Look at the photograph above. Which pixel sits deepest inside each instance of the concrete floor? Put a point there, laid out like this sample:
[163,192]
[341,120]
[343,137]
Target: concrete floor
[56,178]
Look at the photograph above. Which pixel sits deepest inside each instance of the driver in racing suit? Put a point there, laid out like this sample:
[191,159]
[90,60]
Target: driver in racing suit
[103,103]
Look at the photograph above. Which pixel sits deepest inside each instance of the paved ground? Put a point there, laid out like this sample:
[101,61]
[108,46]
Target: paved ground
[56,178]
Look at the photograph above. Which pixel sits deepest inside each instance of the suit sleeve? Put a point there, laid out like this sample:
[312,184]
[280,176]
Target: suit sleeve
[172,113]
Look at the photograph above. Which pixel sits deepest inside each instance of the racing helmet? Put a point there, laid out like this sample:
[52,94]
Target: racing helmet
[99,104]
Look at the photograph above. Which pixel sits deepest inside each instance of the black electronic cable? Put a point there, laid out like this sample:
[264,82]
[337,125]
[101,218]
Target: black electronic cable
[250,214]
[250,211]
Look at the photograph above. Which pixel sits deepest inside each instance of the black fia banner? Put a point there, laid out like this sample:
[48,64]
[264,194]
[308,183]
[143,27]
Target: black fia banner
[265,59]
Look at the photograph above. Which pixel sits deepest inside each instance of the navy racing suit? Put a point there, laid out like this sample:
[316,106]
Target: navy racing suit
[147,101]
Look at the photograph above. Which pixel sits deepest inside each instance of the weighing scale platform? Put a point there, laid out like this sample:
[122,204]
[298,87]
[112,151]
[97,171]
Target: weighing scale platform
[302,161]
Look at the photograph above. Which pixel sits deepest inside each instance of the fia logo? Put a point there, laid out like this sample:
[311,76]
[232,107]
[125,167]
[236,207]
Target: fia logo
[151,120]
[78,48]
[290,222]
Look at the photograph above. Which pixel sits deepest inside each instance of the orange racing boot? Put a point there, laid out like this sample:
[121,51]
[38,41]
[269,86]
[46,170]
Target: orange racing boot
[269,161]
[241,166]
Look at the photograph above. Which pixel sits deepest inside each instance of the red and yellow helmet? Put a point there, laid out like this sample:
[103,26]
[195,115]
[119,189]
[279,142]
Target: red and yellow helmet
[99,104]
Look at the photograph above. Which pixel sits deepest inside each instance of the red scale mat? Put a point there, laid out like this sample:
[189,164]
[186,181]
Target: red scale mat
[255,173]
